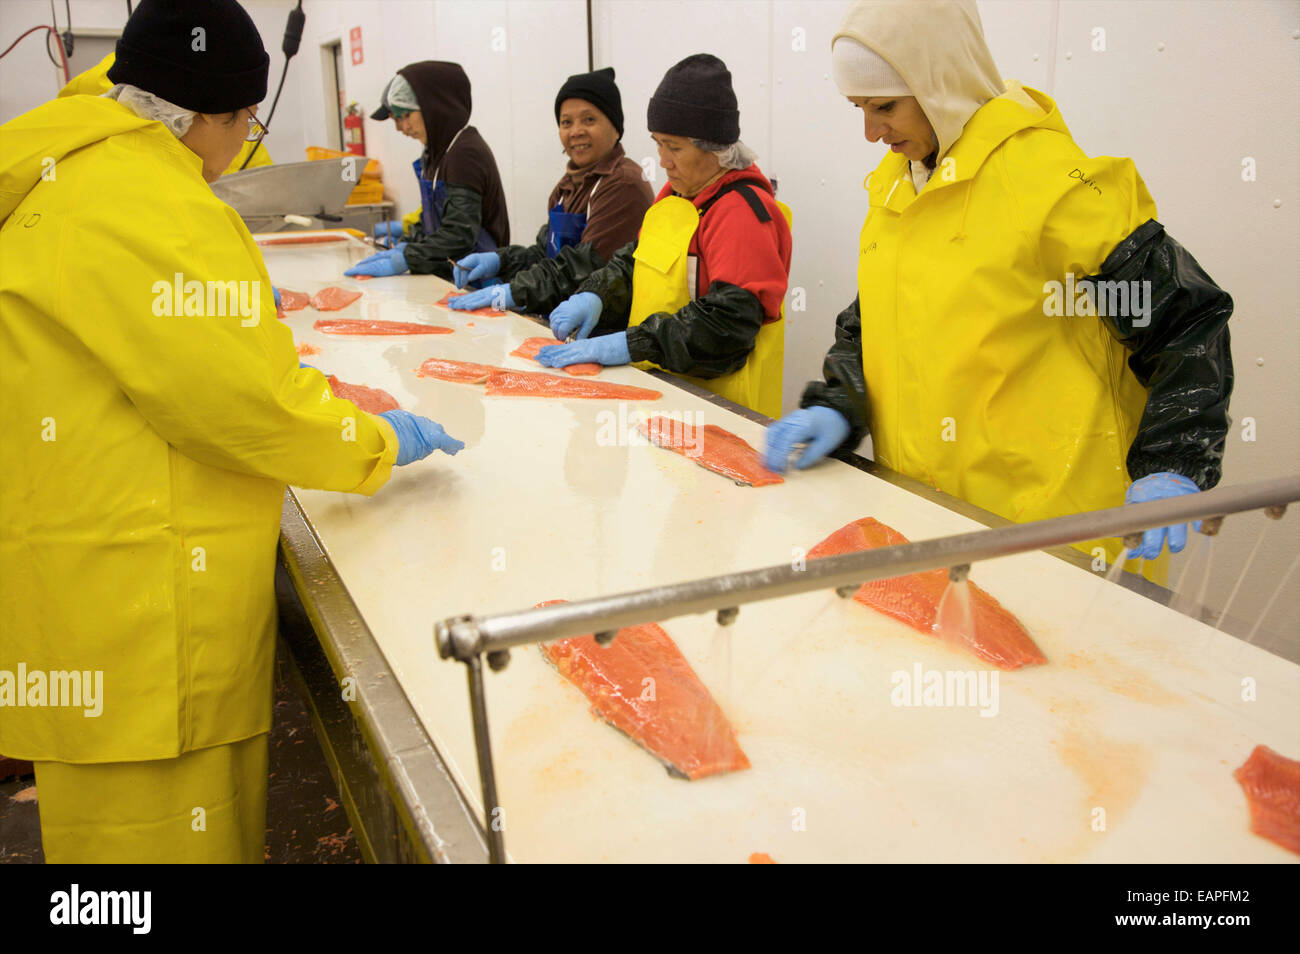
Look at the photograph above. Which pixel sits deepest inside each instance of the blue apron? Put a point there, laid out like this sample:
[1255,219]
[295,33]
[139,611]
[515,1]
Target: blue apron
[432,198]
[566,228]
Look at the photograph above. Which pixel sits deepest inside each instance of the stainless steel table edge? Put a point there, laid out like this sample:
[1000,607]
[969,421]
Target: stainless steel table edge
[433,813]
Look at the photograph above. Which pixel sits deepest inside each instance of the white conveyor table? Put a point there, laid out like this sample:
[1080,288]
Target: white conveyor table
[1120,749]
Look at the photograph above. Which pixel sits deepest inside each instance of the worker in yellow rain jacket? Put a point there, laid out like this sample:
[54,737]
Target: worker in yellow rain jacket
[700,291]
[1026,335]
[152,411]
[95,82]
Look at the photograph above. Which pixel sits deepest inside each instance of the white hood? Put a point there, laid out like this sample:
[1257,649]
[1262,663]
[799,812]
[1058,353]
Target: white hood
[938,48]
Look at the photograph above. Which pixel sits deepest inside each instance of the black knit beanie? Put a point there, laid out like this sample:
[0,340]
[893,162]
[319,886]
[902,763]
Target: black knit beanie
[598,89]
[202,55]
[695,99]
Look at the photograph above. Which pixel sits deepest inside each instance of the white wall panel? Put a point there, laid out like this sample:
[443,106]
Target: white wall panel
[27,78]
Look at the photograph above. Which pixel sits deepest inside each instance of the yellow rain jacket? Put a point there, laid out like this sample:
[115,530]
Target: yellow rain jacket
[662,283]
[980,381]
[151,413]
[95,82]
[701,291]
[974,387]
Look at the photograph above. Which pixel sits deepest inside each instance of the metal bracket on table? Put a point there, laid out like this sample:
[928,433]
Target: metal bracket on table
[460,639]
[468,638]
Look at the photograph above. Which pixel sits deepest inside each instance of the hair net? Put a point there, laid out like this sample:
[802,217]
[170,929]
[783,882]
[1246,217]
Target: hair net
[148,106]
[734,156]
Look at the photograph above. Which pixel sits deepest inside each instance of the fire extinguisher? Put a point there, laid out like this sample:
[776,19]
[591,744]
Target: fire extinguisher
[356,133]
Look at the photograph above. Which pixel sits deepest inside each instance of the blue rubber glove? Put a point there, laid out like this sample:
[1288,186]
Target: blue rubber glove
[311,366]
[1160,487]
[497,296]
[576,315]
[473,267]
[381,264]
[275,293]
[608,350]
[387,231]
[418,437]
[822,428]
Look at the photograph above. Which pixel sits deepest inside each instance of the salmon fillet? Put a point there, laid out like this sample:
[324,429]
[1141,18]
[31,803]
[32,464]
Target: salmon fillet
[1272,786]
[366,326]
[531,346]
[302,239]
[999,638]
[461,372]
[373,400]
[505,382]
[333,298]
[712,448]
[294,301]
[445,301]
[673,717]
[306,349]
[761,858]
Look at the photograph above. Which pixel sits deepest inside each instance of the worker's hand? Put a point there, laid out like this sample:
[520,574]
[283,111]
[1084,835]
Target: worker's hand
[494,296]
[1160,487]
[822,428]
[388,231]
[607,350]
[275,293]
[471,268]
[418,437]
[311,366]
[381,264]
[576,315]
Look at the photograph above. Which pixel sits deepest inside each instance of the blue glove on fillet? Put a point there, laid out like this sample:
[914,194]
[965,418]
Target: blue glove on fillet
[275,293]
[608,350]
[822,428]
[418,437]
[495,296]
[381,264]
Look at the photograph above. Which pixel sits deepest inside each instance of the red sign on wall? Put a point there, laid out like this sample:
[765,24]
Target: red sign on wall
[354,44]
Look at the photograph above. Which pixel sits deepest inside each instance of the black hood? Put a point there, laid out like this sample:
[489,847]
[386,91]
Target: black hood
[443,92]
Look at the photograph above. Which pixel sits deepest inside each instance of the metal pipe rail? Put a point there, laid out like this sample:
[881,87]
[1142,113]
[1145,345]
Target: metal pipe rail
[464,637]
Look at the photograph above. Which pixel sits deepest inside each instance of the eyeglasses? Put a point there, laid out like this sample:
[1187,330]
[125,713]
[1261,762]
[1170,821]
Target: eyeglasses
[256,129]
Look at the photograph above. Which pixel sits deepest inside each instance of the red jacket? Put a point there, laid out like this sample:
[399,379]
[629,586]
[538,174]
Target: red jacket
[733,246]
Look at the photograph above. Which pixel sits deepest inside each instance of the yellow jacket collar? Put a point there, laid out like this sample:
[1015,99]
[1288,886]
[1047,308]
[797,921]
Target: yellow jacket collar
[993,124]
